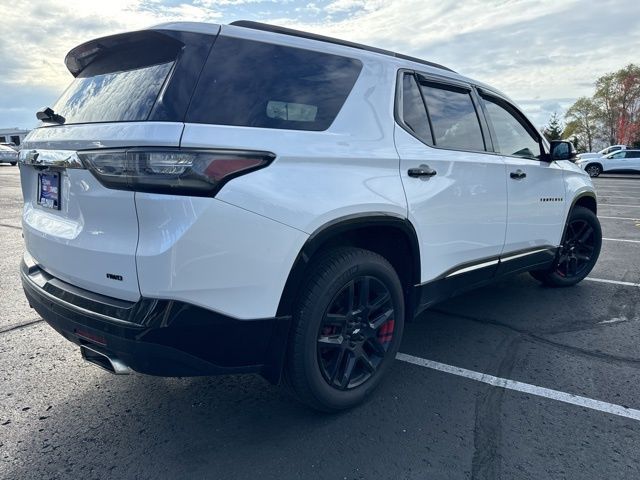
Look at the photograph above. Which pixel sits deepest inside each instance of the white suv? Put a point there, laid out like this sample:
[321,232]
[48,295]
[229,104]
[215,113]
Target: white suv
[624,161]
[207,199]
[601,153]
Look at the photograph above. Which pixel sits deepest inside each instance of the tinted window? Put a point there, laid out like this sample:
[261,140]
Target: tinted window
[121,85]
[255,84]
[633,154]
[512,138]
[414,114]
[453,117]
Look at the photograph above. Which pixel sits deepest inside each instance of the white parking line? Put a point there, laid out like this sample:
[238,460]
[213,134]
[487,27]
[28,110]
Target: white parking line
[621,218]
[505,383]
[601,191]
[621,240]
[615,282]
[617,186]
[618,205]
[615,196]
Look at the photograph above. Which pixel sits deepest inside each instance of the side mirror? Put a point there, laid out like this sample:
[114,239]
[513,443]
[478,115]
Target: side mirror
[561,150]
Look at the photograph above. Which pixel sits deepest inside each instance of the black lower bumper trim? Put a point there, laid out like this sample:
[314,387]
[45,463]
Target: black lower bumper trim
[166,337]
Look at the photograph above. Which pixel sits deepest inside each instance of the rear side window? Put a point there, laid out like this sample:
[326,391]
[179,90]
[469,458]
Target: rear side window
[453,117]
[255,84]
[120,85]
[633,154]
[414,114]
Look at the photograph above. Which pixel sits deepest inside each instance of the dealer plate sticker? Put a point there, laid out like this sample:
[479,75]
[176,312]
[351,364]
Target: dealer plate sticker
[49,190]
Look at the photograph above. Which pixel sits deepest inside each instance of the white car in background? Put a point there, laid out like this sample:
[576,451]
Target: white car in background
[622,161]
[8,155]
[602,153]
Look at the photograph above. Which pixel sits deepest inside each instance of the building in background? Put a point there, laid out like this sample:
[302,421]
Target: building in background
[13,135]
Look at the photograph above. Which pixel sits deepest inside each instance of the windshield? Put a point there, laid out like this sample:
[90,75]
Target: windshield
[607,150]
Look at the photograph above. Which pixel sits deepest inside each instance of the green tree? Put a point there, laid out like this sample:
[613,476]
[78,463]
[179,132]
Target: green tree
[605,101]
[582,122]
[553,130]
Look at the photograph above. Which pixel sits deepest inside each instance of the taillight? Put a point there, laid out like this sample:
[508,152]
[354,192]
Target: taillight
[178,172]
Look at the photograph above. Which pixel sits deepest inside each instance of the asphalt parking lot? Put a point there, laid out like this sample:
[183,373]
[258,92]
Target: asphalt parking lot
[559,398]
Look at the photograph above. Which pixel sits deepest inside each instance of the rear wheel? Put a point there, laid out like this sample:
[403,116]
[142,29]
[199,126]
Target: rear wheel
[594,170]
[347,329]
[578,252]
[13,164]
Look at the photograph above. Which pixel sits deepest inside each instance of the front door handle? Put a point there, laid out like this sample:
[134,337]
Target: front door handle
[518,175]
[422,171]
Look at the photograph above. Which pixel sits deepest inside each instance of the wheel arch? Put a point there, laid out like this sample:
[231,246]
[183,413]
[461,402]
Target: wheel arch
[391,236]
[585,199]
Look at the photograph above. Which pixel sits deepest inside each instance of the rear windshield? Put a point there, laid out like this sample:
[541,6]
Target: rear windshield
[255,84]
[120,85]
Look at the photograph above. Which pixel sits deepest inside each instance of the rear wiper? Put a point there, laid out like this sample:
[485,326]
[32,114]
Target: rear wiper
[47,115]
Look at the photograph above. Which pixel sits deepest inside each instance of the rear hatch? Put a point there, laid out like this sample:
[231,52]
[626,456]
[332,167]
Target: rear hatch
[130,90]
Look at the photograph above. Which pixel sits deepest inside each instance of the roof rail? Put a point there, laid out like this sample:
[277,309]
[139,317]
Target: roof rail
[312,36]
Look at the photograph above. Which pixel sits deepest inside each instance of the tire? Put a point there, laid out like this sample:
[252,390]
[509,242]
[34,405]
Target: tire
[578,252]
[593,170]
[13,164]
[329,340]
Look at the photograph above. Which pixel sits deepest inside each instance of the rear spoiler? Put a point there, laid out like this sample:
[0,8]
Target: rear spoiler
[83,55]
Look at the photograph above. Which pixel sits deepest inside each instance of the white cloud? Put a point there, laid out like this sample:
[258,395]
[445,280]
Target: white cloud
[350,5]
[37,44]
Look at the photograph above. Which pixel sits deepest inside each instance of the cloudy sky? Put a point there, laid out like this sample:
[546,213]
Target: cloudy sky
[542,53]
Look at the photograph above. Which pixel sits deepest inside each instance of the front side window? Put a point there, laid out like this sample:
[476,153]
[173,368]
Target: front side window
[512,138]
[453,117]
[616,155]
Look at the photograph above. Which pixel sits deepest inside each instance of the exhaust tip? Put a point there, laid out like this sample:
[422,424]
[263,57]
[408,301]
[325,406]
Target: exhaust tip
[104,361]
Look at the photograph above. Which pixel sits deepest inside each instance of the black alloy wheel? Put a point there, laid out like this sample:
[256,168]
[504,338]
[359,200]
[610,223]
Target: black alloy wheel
[347,328]
[578,251]
[355,333]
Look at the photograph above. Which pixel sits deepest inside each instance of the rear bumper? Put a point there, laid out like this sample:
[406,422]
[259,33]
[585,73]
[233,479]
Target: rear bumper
[159,337]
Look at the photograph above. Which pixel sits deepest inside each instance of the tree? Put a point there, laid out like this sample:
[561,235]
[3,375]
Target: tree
[604,98]
[612,115]
[582,122]
[618,97]
[628,83]
[553,130]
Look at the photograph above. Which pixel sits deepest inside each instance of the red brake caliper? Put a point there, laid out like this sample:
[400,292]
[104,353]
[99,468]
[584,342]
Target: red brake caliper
[385,333]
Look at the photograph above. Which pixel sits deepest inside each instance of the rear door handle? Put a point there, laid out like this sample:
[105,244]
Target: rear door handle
[518,175]
[422,171]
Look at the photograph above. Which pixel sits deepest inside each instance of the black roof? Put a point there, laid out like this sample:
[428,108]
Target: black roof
[299,33]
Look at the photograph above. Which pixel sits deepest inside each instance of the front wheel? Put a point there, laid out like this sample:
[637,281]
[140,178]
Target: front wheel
[594,170]
[347,328]
[578,253]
